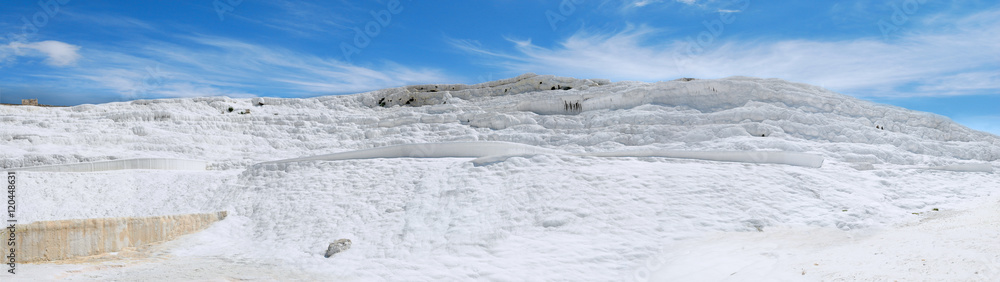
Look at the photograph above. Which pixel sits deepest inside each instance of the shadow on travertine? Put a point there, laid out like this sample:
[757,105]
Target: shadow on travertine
[143,163]
[487,152]
[67,239]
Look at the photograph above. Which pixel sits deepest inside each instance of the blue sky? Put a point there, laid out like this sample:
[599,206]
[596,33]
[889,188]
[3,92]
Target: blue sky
[929,55]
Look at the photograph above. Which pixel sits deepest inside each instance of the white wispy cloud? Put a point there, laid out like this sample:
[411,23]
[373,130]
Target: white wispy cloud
[56,53]
[115,21]
[937,62]
[961,83]
[644,3]
[304,19]
[195,66]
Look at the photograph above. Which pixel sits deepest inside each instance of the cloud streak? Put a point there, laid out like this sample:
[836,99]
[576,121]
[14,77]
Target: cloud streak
[57,54]
[195,66]
[958,59]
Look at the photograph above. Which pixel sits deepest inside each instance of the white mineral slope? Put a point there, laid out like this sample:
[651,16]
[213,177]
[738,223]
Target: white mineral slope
[145,163]
[487,152]
[552,218]
[943,246]
[723,115]
[432,150]
[563,216]
[758,157]
[966,167]
[547,217]
[120,193]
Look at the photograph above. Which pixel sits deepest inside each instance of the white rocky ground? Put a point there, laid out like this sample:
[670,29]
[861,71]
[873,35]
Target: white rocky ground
[560,213]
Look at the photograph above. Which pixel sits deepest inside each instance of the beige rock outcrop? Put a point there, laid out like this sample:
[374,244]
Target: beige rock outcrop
[66,239]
